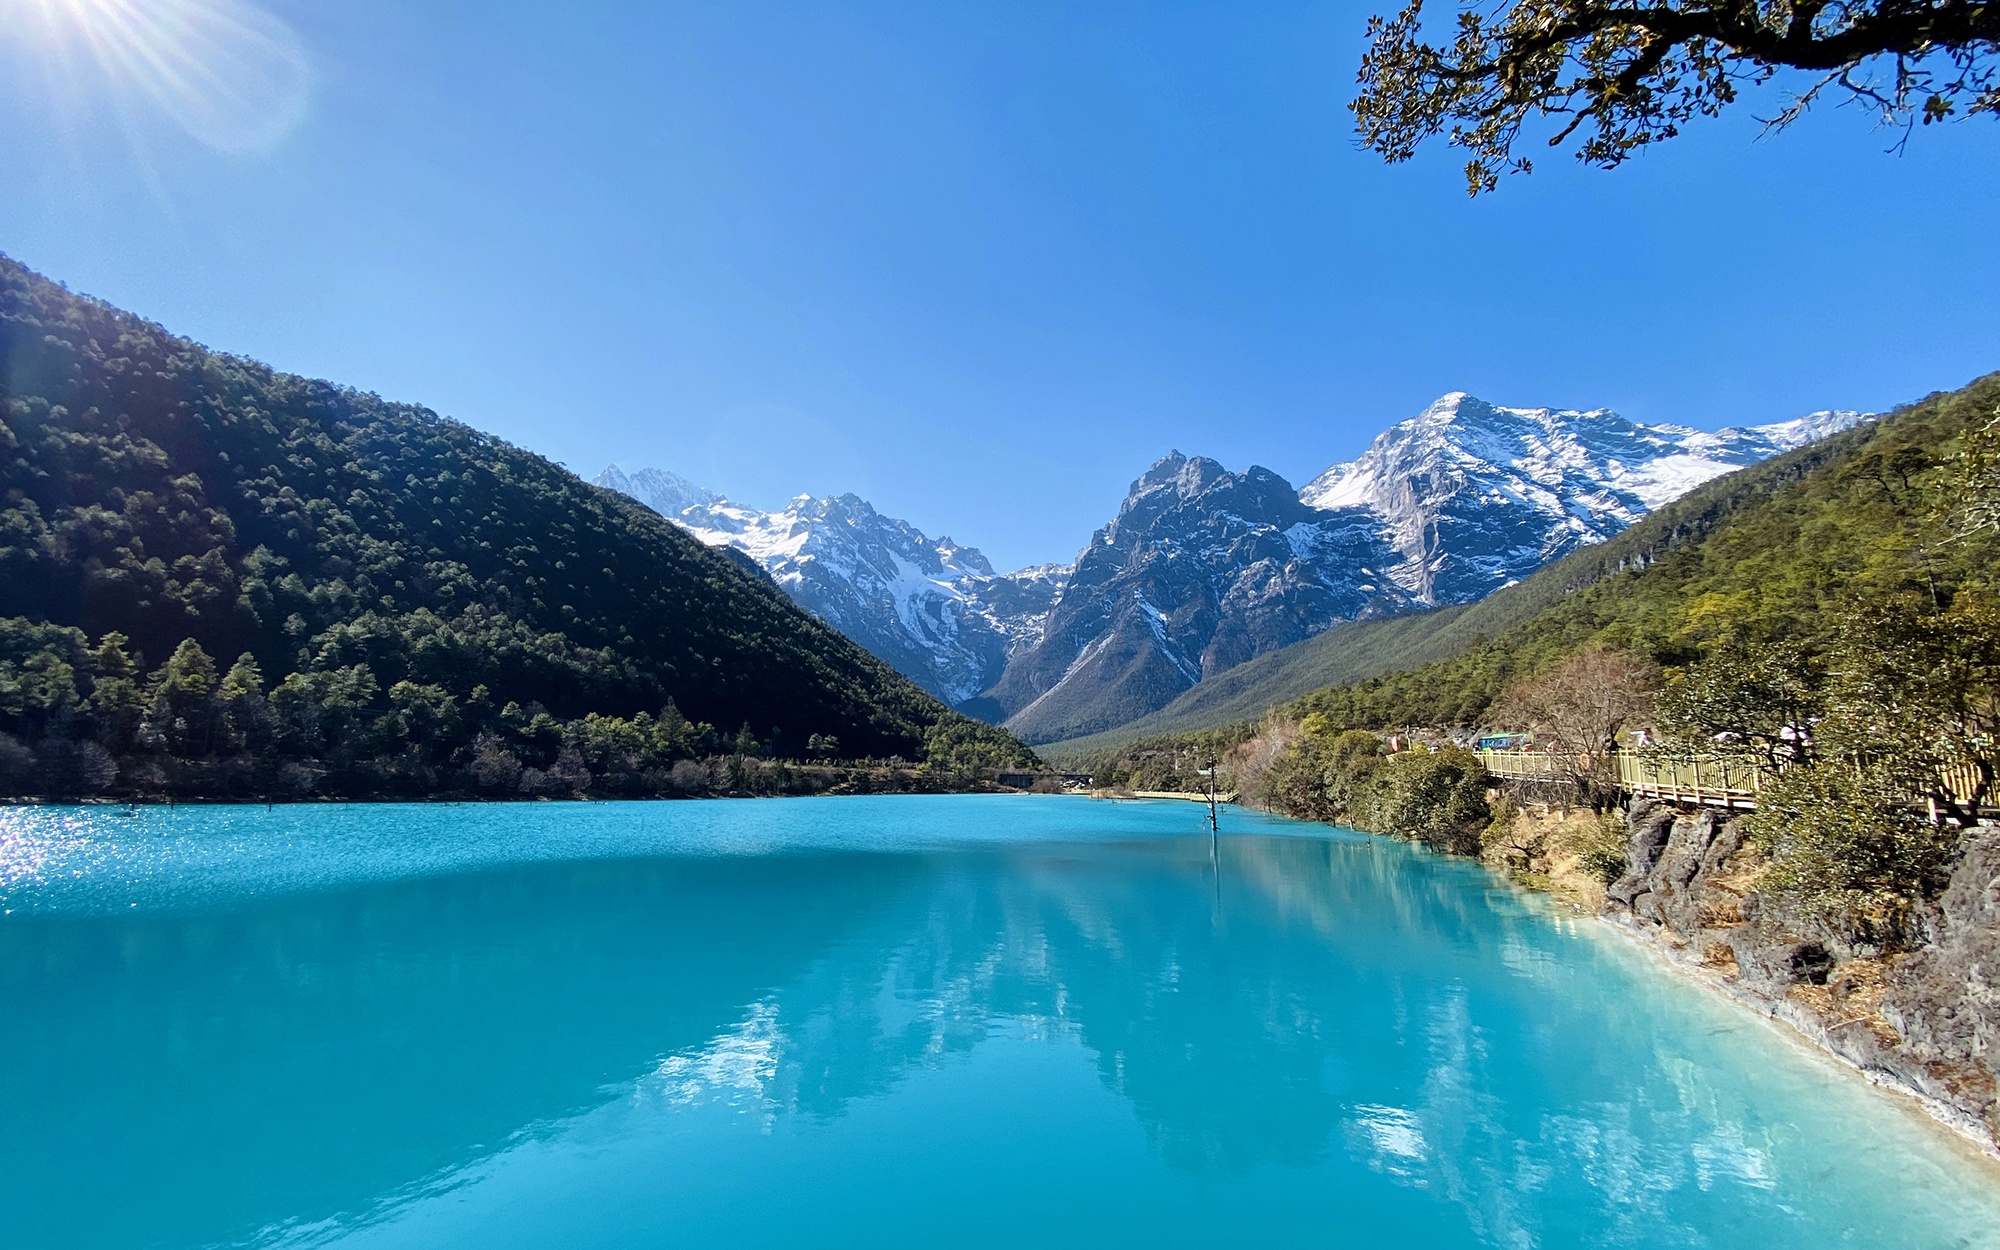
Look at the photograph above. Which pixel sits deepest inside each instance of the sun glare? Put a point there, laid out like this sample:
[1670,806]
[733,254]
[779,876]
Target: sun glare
[231,74]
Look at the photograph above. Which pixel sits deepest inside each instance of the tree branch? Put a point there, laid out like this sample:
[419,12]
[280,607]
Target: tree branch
[1635,71]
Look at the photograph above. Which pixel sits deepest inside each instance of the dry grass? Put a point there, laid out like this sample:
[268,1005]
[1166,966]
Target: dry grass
[1543,848]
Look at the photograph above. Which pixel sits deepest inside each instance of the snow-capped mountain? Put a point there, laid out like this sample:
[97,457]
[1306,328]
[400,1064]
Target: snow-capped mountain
[1474,496]
[664,492]
[935,611]
[1201,570]
[1204,569]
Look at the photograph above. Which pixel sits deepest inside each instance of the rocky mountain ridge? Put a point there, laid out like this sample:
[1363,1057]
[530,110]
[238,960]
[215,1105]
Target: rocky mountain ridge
[665,492]
[1473,495]
[1203,569]
[931,608]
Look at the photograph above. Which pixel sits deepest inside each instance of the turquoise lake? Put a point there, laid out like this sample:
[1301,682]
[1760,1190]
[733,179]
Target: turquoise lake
[951,1021]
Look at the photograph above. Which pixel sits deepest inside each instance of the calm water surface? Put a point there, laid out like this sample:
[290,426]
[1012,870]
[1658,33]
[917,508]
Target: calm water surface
[960,1021]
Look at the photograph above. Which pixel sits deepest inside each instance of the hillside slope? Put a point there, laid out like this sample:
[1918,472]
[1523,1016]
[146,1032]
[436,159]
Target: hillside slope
[1783,539]
[157,490]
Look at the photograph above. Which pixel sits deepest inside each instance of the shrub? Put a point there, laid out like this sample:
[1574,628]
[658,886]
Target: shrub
[1599,844]
[1436,797]
[74,769]
[1848,850]
[17,765]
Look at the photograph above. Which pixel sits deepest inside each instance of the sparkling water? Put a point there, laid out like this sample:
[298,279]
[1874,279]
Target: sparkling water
[954,1021]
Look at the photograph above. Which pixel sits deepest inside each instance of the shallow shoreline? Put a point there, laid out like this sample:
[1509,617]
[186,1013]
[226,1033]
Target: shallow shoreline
[1802,1029]
[1798,1022]
[467,800]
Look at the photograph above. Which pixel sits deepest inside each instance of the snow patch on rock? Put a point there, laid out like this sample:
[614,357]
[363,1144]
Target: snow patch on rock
[1473,495]
[933,609]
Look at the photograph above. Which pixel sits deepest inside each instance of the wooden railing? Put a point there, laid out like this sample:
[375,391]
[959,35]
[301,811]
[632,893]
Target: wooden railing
[1733,784]
[1713,783]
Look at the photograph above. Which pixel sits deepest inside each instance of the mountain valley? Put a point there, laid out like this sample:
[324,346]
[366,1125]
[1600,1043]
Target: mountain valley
[1204,569]
[934,610]
[412,607]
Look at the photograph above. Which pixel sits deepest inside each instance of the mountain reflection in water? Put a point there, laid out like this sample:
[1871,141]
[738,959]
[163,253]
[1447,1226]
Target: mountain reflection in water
[1319,1023]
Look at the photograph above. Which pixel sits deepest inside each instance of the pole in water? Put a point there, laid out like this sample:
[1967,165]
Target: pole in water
[1214,826]
[1214,842]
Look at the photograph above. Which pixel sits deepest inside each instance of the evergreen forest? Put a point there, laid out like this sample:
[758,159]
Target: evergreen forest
[221,580]
[1788,550]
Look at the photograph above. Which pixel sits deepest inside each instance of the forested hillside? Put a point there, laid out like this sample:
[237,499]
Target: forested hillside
[1783,551]
[1829,619]
[1775,547]
[210,570]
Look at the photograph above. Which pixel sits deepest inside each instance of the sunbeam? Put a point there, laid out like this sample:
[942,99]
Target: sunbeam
[230,74]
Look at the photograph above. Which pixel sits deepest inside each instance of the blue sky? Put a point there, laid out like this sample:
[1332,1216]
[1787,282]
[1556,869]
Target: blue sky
[980,263]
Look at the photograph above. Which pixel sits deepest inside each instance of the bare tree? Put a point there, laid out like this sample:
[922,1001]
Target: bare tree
[1627,73]
[1576,709]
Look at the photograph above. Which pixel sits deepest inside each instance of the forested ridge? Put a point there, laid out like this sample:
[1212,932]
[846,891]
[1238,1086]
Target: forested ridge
[1830,618]
[1786,550]
[1390,668]
[219,578]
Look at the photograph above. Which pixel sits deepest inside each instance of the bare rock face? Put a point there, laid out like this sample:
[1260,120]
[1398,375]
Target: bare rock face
[1650,826]
[1927,1022]
[1201,570]
[1945,1000]
[1666,858]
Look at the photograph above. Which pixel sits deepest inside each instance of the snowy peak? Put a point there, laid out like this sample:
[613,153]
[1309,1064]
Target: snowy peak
[1461,436]
[1812,427]
[1201,570]
[664,492]
[1548,445]
[1475,495]
[842,533]
[932,608]
[1760,441]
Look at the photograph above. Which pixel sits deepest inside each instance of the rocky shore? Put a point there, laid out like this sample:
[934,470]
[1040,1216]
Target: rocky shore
[1925,1022]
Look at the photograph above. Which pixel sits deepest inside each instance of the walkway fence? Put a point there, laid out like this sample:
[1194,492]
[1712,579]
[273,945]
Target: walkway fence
[1733,784]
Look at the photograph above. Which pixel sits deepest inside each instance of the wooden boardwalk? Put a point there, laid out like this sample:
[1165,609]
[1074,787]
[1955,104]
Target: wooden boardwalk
[1733,785]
